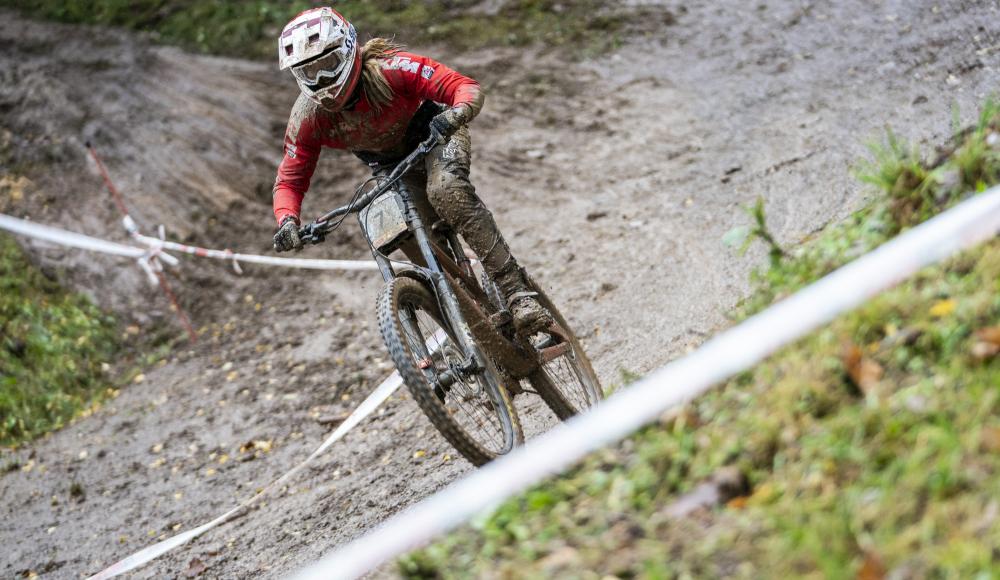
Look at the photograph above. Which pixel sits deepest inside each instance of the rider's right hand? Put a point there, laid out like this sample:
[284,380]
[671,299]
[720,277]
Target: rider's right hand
[287,237]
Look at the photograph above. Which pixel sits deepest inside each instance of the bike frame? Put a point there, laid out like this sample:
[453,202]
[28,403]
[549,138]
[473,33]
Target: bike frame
[433,273]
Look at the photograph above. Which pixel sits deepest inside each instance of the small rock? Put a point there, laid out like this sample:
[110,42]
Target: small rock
[985,350]
[332,420]
[561,558]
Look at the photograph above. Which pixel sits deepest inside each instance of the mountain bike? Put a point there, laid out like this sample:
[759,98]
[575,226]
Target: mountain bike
[446,326]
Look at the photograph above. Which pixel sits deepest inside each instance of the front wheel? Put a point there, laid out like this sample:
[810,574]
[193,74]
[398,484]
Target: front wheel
[470,407]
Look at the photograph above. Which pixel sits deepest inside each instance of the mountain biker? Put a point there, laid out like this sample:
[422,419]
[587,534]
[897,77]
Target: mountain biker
[378,101]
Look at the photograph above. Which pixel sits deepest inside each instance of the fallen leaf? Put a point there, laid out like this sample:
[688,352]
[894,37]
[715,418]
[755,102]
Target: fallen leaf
[864,372]
[139,378]
[989,439]
[264,446]
[942,308]
[763,494]
[990,334]
[987,343]
[737,503]
[420,453]
[872,568]
[210,472]
[223,459]
[195,568]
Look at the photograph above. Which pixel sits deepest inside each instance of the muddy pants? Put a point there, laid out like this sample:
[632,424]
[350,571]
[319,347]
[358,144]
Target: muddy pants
[446,180]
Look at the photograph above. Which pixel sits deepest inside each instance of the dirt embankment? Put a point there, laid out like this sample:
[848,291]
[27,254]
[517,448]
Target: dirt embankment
[615,180]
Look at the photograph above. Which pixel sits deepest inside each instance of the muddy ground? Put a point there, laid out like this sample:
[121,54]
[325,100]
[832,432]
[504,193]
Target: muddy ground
[615,179]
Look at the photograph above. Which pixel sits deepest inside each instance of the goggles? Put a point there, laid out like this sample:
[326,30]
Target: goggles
[321,72]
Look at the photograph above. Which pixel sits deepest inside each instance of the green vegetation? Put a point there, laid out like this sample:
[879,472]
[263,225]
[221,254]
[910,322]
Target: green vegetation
[52,345]
[249,29]
[872,446]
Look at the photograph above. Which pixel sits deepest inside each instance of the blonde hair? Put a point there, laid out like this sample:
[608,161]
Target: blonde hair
[373,83]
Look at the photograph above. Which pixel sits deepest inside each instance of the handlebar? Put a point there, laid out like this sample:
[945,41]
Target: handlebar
[315,231]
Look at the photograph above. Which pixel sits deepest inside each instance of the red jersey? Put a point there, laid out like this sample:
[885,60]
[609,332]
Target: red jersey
[413,79]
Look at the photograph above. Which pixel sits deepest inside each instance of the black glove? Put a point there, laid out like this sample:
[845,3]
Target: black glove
[287,236]
[449,121]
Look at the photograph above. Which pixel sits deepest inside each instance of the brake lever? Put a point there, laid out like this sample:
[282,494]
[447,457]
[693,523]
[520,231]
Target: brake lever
[433,141]
[312,233]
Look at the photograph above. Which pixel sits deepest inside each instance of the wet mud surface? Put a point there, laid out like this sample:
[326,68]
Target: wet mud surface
[613,179]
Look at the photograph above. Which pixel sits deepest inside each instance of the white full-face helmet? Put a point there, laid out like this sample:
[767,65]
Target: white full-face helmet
[321,48]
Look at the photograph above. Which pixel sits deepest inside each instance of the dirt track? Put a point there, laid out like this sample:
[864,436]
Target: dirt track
[615,179]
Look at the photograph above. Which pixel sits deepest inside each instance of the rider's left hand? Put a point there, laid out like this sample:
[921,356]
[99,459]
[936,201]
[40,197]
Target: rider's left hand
[449,121]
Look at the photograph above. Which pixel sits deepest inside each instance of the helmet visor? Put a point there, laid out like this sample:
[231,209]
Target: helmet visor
[321,72]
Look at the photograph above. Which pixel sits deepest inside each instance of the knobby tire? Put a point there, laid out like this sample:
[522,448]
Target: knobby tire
[402,293]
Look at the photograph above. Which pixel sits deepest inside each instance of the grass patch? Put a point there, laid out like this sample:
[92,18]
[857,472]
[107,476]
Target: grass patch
[52,345]
[870,448]
[250,29]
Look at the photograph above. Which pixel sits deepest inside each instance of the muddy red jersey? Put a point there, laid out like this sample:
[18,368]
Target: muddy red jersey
[414,79]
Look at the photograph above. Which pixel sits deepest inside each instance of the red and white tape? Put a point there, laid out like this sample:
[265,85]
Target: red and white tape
[155,247]
[366,408]
[722,357]
[236,258]
[70,239]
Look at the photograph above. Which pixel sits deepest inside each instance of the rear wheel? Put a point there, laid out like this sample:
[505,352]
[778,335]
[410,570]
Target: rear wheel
[470,408]
[565,379]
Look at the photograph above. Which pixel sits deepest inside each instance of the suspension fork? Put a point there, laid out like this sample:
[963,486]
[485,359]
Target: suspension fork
[445,295]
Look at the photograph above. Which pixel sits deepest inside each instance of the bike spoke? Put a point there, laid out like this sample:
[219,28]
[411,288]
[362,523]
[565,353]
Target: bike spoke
[468,404]
[567,378]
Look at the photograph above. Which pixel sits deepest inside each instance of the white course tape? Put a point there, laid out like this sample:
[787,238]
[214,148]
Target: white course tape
[154,247]
[720,358]
[69,239]
[236,258]
[372,402]
[310,264]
